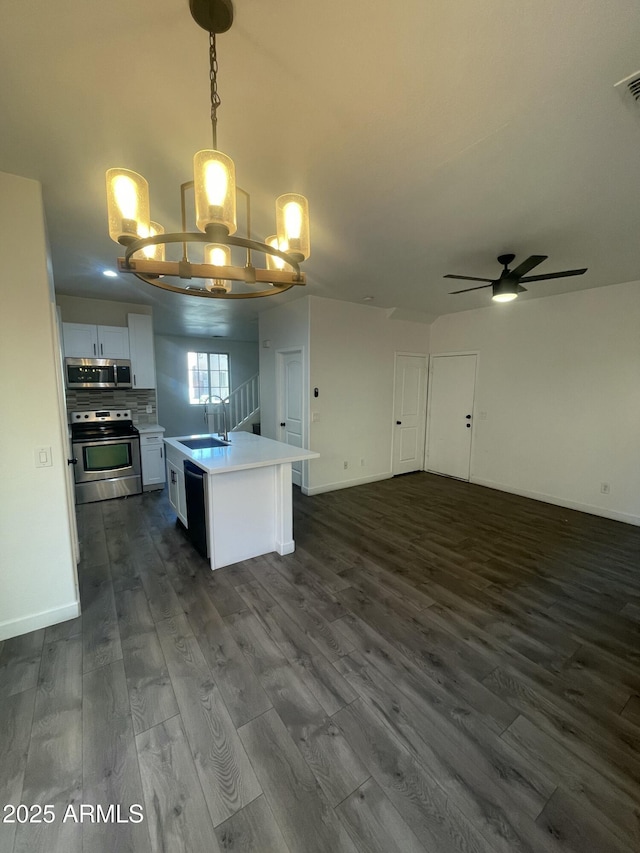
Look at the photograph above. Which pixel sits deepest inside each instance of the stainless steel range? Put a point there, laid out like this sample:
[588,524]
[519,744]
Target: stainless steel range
[106,455]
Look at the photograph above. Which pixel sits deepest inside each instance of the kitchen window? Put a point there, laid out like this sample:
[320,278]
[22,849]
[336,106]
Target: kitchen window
[208,376]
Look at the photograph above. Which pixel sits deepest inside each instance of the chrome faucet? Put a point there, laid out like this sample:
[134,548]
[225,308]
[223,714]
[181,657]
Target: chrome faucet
[225,433]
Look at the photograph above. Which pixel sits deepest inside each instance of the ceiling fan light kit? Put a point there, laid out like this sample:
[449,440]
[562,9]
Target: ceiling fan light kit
[509,285]
[214,188]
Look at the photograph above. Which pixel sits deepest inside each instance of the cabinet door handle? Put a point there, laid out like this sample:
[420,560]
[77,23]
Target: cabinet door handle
[399,423]
[161,454]
[94,349]
[283,423]
[134,379]
[101,349]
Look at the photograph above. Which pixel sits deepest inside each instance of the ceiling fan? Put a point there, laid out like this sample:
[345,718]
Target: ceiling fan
[508,286]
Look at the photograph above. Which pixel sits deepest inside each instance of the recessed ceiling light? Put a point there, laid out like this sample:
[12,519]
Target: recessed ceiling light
[367,298]
[110,273]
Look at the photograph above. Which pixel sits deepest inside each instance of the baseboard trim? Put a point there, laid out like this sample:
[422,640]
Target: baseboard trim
[283,548]
[16,627]
[345,484]
[552,499]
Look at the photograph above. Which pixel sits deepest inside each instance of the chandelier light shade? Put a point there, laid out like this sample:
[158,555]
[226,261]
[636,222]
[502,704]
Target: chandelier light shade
[214,186]
[152,252]
[292,225]
[215,198]
[127,205]
[217,255]
[273,261]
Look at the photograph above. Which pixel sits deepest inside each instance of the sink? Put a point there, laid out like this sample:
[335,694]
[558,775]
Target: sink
[205,441]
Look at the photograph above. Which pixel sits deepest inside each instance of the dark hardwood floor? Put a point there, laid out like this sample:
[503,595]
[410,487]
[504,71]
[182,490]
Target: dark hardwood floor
[439,667]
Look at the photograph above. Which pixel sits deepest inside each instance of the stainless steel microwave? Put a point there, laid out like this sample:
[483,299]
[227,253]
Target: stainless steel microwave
[97,372]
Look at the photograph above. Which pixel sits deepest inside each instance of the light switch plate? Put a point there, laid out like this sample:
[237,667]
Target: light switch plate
[43,457]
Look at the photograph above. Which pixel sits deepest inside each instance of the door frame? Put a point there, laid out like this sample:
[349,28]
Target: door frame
[432,356]
[279,358]
[427,362]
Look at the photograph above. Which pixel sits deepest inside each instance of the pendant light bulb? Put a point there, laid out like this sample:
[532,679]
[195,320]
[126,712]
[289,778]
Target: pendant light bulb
[293,220]
[125,192]
[504,297]
[215,182]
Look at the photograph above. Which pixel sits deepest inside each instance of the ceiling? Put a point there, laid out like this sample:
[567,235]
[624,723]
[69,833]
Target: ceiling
[428,137]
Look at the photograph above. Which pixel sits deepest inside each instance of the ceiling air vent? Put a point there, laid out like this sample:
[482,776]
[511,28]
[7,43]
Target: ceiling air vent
[629,88]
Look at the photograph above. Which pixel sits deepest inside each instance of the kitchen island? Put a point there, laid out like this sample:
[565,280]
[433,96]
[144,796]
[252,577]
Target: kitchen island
[247,493]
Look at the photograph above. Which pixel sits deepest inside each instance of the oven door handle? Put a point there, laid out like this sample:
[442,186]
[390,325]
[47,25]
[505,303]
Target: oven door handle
[97,442]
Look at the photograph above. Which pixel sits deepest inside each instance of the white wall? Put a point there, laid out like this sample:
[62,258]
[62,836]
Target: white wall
[37,574]
[559,379]
[283,327]
[348,353]
[352,365]
[175,412]
[102,312]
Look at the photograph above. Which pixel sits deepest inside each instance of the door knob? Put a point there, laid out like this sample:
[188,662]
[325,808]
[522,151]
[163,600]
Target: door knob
[468,426]
[283,423]
[73,461]
[468,417]
[399,423]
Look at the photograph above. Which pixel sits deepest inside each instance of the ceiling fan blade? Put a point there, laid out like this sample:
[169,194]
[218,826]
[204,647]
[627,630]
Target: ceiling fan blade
[482,286]
[469,278]
[562,274]
[525,266]
[521,289]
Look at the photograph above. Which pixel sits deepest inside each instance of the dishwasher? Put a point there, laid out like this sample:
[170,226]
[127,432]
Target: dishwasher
[195,482]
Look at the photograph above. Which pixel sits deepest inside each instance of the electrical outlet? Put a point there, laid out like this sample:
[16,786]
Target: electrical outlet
[605,488]
[346,464]
[149,409]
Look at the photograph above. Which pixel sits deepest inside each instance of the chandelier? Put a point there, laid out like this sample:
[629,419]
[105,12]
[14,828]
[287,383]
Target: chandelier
[214,189]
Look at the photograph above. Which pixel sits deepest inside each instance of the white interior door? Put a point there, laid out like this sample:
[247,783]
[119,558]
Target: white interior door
[452,382]
[409,413]
[290,411]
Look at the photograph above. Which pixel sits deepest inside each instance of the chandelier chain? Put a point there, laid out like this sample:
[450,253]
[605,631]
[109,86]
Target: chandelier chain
[215,97]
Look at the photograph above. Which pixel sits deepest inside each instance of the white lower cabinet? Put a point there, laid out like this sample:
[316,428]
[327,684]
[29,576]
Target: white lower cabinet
[152,458]
[175,478]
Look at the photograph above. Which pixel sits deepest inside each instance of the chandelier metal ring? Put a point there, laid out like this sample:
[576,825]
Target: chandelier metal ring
[206,294]
[199,237]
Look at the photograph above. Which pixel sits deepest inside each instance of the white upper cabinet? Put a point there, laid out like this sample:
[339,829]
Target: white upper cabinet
[83,340]
[143,363]
[113,342]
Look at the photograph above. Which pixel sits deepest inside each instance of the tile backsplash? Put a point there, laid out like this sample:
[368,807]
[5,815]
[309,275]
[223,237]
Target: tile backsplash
[79,400]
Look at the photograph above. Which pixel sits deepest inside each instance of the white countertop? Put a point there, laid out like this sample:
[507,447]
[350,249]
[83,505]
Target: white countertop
[246,450]
[142,428]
